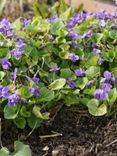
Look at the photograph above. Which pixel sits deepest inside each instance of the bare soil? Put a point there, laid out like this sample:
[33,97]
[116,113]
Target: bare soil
[76,133]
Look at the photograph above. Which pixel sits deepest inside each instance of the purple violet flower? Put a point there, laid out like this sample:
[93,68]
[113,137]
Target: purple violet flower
[107,75]
[70,25]
[106,87]
[115,14]
[17,53]
[4,25]
[10,33]
[96,51]
[21,45]
[54,68]
[100,60]
[24,22]
[13,76]
[73,57]
[1,87]
[73,35]
[52,39]
[90,83]
[79,72]
[4,92]
[100,94]
[103,15]
[103,80]
[5,63]
[35,80]
[75,44]
[87,34]
[112,80]
[13,99]
[94,45]
[35,91]
[102,23]
[71,83]
[19,39]
[52,18]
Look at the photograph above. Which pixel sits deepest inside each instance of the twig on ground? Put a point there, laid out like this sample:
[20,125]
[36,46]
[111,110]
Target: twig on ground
[115,141]
[50,136]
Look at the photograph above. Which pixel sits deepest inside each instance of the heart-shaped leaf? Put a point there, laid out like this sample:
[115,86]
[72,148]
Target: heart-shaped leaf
[96,109]
[57,84]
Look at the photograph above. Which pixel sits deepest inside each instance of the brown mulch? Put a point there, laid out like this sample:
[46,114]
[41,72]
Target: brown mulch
[76,133]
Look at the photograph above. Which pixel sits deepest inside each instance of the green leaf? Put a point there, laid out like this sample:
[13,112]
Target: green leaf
[4,152]
[24,92]
[46,95]
[38,114]
[10,112]
[64,55]
[97,37]
[41,9]
[92,61]
[62,6]
[24,112]
[20,122]
[112,96]
[90,91]
[71,99]
[84,101]
[34,122]
[17,25]
[56,26]
[66,14]
[113,34]
[22,149]
[57,84]
[109,56]
[3,52]
[2,74]
[95,109]
[81,82]
[62,32]
[114,70]
[66,73]
[92,71]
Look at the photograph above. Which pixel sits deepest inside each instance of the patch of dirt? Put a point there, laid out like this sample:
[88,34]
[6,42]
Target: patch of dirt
[76,133]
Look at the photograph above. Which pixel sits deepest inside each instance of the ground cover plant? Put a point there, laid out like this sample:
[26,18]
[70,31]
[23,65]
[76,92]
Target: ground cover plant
[61,60]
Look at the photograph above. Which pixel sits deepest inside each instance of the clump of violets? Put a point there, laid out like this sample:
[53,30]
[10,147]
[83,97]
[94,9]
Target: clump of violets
[106,85]
[44,62]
